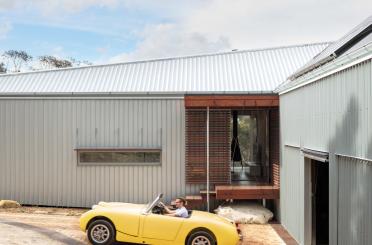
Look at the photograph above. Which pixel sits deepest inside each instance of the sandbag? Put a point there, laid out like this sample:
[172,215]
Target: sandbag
[246,213]
[9,204]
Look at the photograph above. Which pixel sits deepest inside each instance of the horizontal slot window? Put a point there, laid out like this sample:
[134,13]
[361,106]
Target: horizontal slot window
[119,157]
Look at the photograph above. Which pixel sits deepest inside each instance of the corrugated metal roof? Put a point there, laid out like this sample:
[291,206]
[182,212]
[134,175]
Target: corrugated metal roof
[249,71]
[337,48]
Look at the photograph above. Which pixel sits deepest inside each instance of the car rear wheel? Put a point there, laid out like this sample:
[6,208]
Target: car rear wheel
[201,238]
[101,232]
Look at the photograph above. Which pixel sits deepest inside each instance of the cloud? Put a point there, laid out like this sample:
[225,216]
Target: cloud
[166,40]
[5,28]
[51,7]
[74,6]
[163,28]
[252,24]
[217,25]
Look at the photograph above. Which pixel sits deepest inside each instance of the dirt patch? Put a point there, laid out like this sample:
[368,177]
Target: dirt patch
[260,234]
[45,210]
[60,226]
[29,228]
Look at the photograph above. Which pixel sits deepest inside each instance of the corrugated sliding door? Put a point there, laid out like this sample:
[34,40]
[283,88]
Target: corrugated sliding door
[219,146]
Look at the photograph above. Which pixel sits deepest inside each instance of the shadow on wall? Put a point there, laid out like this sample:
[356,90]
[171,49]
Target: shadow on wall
[350,226]
[344,138]
[369,149]
[343,142]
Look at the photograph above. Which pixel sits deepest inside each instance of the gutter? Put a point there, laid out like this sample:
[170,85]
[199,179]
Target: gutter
[123,95]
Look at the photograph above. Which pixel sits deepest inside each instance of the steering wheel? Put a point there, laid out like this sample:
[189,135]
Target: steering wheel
[158,209]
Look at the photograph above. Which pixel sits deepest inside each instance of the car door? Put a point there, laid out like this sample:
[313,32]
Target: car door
[157,226]
[126,222]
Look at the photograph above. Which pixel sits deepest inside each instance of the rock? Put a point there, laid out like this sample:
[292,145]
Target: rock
[247,213]
[9,204]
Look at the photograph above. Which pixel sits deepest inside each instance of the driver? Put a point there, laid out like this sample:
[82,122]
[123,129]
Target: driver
[181,211]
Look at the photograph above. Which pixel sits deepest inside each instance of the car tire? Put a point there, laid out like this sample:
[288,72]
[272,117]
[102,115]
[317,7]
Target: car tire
[201,237]
[101,232]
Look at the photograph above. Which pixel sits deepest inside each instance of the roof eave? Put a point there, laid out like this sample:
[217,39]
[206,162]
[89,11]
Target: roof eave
[336,65]
[132,94]
[338,52]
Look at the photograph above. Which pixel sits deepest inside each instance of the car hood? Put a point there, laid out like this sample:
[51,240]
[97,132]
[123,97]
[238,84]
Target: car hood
[129,207]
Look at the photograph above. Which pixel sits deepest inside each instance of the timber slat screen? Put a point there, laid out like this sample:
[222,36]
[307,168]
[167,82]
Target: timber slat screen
[274,146]
[219,146]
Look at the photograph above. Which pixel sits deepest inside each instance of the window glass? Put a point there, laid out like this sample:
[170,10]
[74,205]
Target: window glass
[119,158]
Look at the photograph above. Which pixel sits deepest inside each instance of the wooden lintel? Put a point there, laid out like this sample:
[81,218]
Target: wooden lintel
[247,192]
[229,101]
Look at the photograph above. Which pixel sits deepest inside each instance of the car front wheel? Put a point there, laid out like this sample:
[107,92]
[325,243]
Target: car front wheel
[101,232]
[201,238]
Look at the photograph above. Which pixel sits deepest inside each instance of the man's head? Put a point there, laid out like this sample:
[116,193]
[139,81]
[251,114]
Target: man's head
[180,202]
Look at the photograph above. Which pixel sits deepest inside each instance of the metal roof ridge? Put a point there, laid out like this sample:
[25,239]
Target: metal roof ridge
[166,59]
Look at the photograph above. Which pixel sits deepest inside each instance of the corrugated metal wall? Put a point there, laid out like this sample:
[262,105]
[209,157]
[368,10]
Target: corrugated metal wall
[333,115]
[291,188]
[355,210]
[38,163]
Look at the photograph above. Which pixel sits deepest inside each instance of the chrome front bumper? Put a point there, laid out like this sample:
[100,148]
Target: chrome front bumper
[239,232]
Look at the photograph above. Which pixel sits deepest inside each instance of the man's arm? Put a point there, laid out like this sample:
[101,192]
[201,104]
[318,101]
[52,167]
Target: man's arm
[168,211]
[171,214]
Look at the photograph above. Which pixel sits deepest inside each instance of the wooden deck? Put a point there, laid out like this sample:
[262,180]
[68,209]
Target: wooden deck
[242,192]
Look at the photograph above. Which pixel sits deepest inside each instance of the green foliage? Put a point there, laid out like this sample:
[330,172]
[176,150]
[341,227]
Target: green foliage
[17,58]
[48,62]
[76,62]
[247,134]
[2,68]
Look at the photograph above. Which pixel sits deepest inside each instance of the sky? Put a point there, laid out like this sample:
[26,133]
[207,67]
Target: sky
[106,31]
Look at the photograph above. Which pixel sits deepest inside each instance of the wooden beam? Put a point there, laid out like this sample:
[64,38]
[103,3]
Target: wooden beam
[230,101]
[247,192]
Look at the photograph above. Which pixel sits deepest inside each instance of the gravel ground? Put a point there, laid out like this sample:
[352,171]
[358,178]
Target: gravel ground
[260,235]
[58,226]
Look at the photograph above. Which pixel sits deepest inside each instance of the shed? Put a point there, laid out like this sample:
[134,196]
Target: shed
[326,144]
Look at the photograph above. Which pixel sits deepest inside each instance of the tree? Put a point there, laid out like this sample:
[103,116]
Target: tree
[17,58]
[49,62]
[76,62]
[2,68]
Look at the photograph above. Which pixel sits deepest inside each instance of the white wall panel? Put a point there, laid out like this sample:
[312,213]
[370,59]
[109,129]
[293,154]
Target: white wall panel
[38,162]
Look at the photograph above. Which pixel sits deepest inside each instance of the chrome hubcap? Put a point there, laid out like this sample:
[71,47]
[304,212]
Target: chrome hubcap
[201,240]
[100,233]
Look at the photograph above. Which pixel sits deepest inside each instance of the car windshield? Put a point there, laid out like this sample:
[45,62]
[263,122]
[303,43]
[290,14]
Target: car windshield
[152,204]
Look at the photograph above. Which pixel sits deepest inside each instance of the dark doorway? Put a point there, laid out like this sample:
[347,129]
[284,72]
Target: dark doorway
[249,147]
[320,202]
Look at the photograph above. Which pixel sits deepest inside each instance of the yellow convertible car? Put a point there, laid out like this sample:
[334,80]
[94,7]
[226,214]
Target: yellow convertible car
[146,224]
